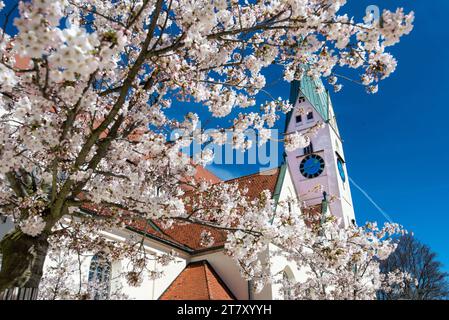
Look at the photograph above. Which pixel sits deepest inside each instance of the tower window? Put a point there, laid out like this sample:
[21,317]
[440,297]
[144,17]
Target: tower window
[100,277]
[308,149]
[310,115]
[298,118]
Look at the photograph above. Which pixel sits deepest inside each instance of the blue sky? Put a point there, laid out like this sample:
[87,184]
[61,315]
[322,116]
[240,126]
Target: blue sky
[396,142]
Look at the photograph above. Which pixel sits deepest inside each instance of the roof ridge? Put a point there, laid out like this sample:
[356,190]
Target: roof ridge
[279,183]
[188,265]
[204,262]
[211,279]
[219,279]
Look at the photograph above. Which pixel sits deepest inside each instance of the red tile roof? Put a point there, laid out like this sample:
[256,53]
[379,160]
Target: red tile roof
[189,235]
[198,281]
[258,182]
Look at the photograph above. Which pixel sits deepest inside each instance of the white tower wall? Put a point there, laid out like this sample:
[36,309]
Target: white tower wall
[328,145]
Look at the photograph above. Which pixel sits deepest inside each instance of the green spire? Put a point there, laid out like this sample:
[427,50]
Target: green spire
[310,89]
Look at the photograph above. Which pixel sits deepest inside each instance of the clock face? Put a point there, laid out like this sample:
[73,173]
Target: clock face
[341,170]
[312,166]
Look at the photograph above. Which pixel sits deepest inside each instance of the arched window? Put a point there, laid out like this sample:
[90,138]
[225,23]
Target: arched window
[286,289]
[308,149]
[100,277]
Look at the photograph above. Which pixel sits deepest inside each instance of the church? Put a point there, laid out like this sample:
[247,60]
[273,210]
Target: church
[201,273]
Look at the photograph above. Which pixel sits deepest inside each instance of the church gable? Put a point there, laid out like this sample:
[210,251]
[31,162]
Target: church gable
[198,281]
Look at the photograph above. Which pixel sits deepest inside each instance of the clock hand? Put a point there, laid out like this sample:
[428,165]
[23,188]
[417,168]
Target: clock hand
[308,167]
[311,168]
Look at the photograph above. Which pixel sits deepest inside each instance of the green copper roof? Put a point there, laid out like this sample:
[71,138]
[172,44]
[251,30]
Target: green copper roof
[308,87]
[279,182]
[318,100]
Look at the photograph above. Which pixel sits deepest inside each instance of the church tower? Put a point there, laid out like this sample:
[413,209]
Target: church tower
[323,161]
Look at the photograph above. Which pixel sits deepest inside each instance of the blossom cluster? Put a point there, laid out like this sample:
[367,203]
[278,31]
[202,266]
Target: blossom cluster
[342,263]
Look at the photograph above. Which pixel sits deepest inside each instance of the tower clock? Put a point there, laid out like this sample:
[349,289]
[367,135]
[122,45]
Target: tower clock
[312,166]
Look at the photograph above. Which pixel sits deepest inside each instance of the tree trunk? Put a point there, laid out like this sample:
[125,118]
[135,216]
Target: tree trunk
[22,265]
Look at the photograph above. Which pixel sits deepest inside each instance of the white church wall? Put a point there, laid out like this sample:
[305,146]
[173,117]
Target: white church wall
[149,289]
[152,289]
[342,206]
[267,291]
[288,189]
[343,187]
[280,264]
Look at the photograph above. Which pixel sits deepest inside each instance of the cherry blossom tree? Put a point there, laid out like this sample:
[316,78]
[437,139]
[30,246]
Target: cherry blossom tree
[342,263]
[85,122]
